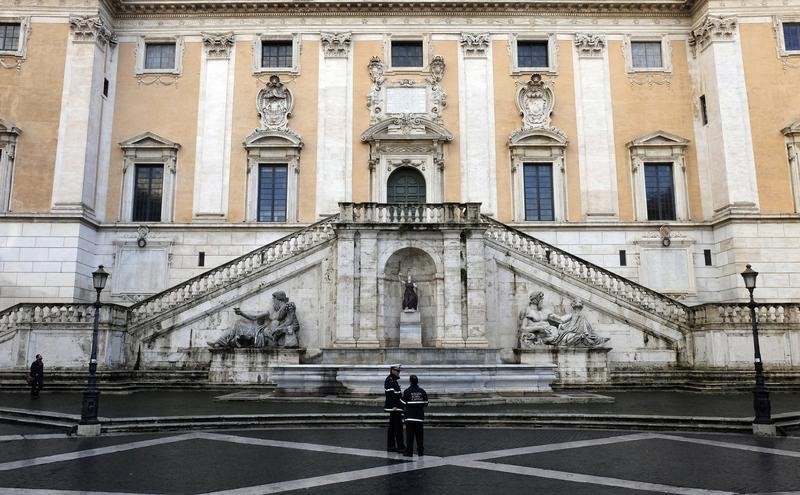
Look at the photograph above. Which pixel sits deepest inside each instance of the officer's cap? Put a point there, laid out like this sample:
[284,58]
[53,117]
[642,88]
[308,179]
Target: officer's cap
[396,367]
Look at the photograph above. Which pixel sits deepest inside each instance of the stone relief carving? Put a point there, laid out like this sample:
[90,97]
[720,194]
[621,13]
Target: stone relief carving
[538,326]
[535,101]
[438,95]
[474,44]
[435,98]
[712,29]
[88,29]
[375,95]
[275,103]
[335,45]
[218,45]
[276,327]
[590,45]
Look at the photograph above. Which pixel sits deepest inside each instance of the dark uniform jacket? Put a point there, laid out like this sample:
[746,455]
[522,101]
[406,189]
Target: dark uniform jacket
[393,394]
[415,399]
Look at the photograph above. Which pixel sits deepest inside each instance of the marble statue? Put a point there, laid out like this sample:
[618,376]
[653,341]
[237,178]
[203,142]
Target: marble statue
[410,293]
[538,326]
[276,327]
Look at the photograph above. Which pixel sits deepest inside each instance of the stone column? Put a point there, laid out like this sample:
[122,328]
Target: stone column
[476,289]
[368,289]
[476,96]
[596,155]
[80,128]
[334,125]
[211,179]
[345,294]
[453,335]
[726,138]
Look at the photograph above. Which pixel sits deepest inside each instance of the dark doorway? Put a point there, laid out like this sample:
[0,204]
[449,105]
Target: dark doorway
[405,185]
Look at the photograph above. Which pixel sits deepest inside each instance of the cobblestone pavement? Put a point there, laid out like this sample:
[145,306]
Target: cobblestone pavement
[353,461]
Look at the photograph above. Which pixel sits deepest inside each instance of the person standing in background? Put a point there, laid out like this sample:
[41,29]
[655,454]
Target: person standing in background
[394,406]
[416,399]
[37,376]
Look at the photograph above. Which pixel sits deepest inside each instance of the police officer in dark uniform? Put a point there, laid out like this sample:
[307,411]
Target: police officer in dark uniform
[394,406]
[416,399]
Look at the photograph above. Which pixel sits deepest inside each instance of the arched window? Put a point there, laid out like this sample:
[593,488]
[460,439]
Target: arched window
[405,185]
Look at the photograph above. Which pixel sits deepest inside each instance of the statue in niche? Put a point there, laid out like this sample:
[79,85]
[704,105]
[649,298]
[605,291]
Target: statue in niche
[276,327]
[540,327]
[409,294]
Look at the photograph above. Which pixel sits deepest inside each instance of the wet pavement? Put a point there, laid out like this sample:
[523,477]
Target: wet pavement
[351,461]
[171,403]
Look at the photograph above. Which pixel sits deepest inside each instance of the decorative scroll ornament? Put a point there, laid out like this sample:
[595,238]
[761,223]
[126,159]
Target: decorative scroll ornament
[375,95]
[218,45]
[590,45]
[274,103]
[437,69]
[713,29]
[437,94]
[535,101]
[474,44]
[335,45]
[86,29]
[406,124]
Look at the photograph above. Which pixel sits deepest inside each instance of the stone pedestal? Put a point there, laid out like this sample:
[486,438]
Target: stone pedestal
[249,365]
[573,364]
[410,329]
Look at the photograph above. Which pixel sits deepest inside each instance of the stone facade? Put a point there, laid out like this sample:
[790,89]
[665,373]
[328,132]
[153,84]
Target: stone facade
[86,108]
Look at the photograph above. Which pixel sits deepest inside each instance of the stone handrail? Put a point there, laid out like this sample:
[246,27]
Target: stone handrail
[223,275]
[424,213]
[589,273]
[728,313]
[69,314]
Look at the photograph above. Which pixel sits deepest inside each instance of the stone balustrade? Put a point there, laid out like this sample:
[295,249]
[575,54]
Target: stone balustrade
[733,313]
[593,275]
[428,213]
[43,315]
[222,276]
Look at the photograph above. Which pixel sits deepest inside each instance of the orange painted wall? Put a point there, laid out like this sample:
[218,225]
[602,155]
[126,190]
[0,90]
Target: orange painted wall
[362,52]
[641,109]
[507,120]
[450,116]
[30,98]
[303,121]
[167,110]
[774,102]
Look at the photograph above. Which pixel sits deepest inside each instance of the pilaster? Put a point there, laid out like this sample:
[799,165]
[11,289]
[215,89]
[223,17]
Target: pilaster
[596,155]
[345,294]
[368,289]
[334,123]
[211,180]
[726,134]
[453,334]
[478,169]
[80,125]
[476,289]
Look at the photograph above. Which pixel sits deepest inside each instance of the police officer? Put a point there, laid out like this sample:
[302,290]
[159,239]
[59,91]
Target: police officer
[416,399]
[394,406]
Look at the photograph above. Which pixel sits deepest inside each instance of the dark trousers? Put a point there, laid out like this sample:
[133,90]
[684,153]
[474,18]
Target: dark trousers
[37,384]
[394,436]
[414,430]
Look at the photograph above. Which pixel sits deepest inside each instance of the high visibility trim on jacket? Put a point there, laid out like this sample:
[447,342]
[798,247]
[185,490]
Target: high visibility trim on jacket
[417,402]
[393,390]
[417,420]
[396,409]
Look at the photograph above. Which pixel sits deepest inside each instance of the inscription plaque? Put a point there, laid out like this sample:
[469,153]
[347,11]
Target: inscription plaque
[406,100]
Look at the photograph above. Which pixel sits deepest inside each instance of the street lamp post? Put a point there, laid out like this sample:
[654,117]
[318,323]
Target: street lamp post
[762,422]
[91,395]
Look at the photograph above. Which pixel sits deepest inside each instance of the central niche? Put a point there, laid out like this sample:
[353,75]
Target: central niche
[430,287]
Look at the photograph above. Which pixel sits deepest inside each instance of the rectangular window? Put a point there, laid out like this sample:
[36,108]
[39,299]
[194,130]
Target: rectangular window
[407,54]
[538,183]
[276,54]
[9,36]
[646,54]
[707,256]
[159,56]
[660,191]
[148,189]
[623,258]
[532,54]
[272,193]
[703,110]
[791,36]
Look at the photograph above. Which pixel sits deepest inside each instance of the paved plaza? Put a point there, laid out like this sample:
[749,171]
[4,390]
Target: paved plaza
[352,461]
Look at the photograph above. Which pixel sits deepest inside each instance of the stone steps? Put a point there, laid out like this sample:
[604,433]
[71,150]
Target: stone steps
[690,380]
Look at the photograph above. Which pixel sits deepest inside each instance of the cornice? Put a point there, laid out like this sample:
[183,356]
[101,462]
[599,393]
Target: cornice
[309,8]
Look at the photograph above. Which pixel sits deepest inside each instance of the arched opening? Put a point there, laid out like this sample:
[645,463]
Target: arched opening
[405,185]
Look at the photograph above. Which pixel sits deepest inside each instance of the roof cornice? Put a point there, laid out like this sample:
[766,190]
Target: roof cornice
[351,8]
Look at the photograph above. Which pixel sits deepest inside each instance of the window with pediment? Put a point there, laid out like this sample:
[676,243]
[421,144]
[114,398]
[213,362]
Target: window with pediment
[8,144]
[148,178]
[658,171]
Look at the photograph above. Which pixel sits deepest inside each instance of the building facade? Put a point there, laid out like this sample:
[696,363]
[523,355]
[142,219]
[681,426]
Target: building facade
[658,140]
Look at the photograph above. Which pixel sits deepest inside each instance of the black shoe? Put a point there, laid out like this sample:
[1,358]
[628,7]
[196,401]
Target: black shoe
[401,450]
[408,454]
